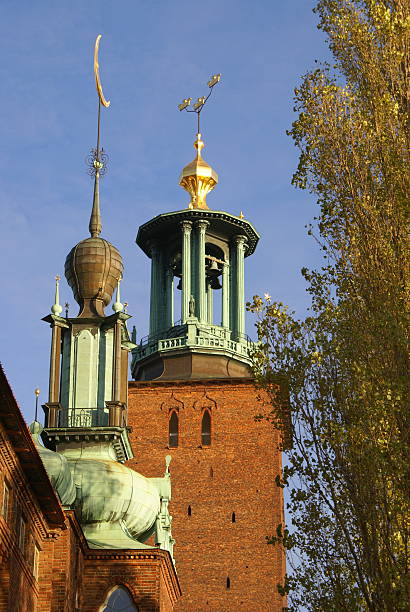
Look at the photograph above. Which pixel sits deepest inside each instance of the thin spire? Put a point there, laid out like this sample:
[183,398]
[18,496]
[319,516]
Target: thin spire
[98,159]
[95,225]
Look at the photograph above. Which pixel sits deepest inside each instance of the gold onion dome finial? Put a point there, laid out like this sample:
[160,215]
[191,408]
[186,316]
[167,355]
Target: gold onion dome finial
[94,266]
[198,178]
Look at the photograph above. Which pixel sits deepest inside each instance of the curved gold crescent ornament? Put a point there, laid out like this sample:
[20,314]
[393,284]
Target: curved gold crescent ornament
[103,101]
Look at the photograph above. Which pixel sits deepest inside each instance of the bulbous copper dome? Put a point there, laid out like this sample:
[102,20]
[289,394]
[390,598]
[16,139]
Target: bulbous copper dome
[92,269]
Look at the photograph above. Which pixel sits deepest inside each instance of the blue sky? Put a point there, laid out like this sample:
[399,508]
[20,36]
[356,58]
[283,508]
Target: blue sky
[153,53]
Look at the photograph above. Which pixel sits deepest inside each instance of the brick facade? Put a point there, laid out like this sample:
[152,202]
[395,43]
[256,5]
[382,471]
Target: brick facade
[225,501]
[65,576]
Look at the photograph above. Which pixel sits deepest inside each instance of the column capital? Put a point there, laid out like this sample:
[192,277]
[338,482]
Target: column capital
[186,226]
[202,224]
[240,240]
[153,247]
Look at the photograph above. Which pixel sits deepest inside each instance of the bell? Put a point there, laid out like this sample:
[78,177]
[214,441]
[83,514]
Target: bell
[213,269]
[214,283]
[179,286]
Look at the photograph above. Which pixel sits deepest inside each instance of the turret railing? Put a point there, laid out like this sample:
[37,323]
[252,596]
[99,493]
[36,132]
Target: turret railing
[204,336]
[84,417]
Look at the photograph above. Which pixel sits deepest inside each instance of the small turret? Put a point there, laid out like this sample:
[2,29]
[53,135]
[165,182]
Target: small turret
[86,433]
[198,252]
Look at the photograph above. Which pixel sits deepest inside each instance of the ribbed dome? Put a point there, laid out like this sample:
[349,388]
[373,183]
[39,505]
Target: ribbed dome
[56,466]
[198,178]
[112,492]
[94,266]
[92,269]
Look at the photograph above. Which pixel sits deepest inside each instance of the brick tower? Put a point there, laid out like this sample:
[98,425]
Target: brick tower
[193,396]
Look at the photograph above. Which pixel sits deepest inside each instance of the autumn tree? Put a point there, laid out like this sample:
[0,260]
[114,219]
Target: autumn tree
[347,364]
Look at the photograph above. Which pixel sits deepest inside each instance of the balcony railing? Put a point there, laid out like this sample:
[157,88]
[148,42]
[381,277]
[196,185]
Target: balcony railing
[207,336]
[83,417]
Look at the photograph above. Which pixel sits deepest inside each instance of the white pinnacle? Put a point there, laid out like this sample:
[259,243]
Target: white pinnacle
[56,308]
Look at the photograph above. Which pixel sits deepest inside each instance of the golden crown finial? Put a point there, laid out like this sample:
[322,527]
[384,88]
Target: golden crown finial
[198,178]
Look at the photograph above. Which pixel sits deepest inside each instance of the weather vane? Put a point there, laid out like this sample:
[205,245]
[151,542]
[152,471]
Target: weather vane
[200,103]
[97,160]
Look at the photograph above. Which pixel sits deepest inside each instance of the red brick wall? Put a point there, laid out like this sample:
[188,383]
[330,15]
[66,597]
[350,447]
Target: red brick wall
[235,474]
[18,586]
[71,577]
[148,575]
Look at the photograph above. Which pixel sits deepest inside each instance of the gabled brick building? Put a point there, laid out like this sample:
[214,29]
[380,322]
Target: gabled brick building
[46,564]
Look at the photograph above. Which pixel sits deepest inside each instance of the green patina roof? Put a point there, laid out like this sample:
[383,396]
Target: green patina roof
[222,222]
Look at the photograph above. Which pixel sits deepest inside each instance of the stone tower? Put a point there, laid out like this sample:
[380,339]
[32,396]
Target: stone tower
[86,441]
[193,396]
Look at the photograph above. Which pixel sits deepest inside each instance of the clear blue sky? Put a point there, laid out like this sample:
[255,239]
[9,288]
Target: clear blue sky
[153,53]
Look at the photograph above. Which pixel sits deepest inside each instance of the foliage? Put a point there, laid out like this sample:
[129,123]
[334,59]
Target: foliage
[348,362]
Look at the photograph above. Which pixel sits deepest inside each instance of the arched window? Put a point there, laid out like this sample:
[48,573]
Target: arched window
[173,429]
[228,582]
[120,600]
[233,517]
[189,510]
[206,428]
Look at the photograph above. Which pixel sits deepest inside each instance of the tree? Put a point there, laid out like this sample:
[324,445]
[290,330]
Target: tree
[347,364]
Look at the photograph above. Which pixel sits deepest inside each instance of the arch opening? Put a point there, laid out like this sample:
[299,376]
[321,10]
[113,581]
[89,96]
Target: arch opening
[173,429]
[119,600]
[206,428]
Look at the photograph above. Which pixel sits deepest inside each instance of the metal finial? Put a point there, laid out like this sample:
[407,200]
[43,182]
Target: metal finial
[134,334]
[200,103]
[97,160]
[125,307]
[117,306]
[36,393]
[56,308]
[66,306]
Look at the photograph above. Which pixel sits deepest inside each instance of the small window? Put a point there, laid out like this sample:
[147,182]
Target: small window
[21,532]
[189,511]
[173,429]
[6,501]
[228,582]
[233,517]
[211,472]
[206,428]
[36,561]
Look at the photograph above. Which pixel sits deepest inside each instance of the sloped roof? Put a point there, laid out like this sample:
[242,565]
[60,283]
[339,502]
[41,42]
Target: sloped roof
[23,445]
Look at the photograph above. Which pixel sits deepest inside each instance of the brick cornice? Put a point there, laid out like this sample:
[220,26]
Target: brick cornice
[24,448]
[28,502]
[192,382]
[131,557]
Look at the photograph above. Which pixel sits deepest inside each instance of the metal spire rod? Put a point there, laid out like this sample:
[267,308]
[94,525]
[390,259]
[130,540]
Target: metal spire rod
[98,130]
[97,160]
[36,393]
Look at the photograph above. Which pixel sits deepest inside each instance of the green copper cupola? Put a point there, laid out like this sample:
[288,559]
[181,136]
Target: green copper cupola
[197,305]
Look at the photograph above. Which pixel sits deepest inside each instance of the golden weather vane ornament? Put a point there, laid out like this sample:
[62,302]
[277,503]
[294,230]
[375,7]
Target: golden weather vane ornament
[198,178]
[200,103]
[103,101]
[97,160]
